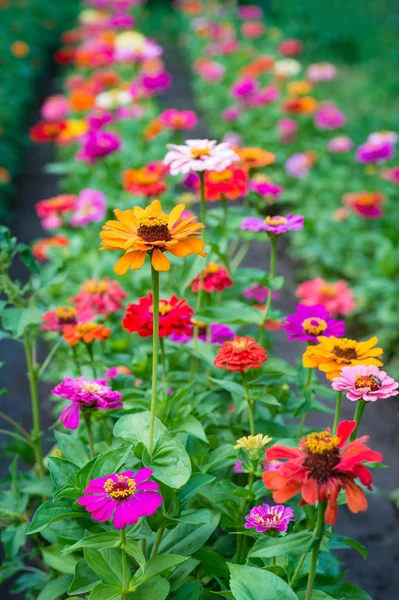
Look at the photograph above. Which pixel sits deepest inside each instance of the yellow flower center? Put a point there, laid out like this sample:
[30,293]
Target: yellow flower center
[220,177]
[212,268]
[65,312]
[94,388]
[197,323]
[328,290]
[83,328]
[121,489]
[96,286]
[145,177]
[274,221]
[164,307]
[314,326]
[368,381]
[322,442]
[200,152]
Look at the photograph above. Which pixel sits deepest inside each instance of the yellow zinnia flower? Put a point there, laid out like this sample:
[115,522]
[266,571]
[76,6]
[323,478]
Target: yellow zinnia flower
[149,230]
[253,442]
[332,354]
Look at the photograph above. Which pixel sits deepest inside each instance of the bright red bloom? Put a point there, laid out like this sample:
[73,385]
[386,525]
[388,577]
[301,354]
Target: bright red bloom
[43,131]
[214,278]
[241,354]
[60,204]
[99,297]
[231,183]
[322,466]
[174,317]
[146,181]
[65,56]
[39,249]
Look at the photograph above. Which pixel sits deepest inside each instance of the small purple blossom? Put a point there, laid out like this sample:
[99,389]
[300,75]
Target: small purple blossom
[157,83]
[98,144]
[308,322]
[85,394]
[298,165]
[218,334]
[273,519]
[259,293]
[379,150]
[237,467]
[275,225]
[91,206]
[264,187]
[245,89]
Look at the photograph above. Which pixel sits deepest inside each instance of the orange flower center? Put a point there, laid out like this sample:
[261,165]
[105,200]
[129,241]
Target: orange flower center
[145,177]
[123,488]
[83,328]
[95,286]
[274,221]
[368,381]
[220,177]
[154,229]
[314,326]
[200,152]
[328,290]
[178,120]
[239,343]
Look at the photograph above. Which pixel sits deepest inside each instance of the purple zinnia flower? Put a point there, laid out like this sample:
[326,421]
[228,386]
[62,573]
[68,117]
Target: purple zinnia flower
[375,151]
[308,322]
[264,187]
[125,497]
[237,467]
[90,206]
[275,225]
[218,334]
[273,519]
[87,395]
[98,144]
[157,83]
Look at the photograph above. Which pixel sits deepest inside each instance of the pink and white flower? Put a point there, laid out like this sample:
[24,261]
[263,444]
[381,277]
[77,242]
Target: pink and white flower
[365,382]
[199,155]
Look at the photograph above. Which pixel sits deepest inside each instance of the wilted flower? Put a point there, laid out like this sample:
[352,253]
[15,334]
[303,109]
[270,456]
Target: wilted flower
[365,382]
[270,519]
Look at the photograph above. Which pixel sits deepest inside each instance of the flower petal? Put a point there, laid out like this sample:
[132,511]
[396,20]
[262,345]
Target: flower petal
[159,261]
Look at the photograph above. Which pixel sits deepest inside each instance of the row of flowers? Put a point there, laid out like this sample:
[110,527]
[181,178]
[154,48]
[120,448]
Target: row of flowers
[173,415]
[256,89]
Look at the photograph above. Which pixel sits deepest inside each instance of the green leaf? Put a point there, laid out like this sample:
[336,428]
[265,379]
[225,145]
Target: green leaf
[154,589]
[56,588]
[85,579]
[230,386]
[107,564]
[340,541]
[195,483]
[293,543]
[169,460]
[98,541]
[56,559]
[316,595]
[13,538]
[110,462]
[62,471]
[51,511]
[250,583]
[105,592]
[192,426]
[72,448]
[16,320]
[156,566]
[186,539]
[348,591]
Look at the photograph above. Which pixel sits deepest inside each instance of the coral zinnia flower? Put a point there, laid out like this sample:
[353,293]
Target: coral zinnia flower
[336,297]
[322,466]
[174,317]
[87,395]
[252,158]
[214,278]
[271,519]
[126,497]
[332,354]
[308,322]
[365,382]
[141,231]
[57,205]
[99,297]
[367,205]
[85,332]
[146,181]
[241,354]
[57,319]
[40,248]
[230,183]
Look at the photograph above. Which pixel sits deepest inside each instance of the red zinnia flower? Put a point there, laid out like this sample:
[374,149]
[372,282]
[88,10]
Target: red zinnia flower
[240,354]
[230,183]
[146,181]
[214,278]
[43,132]
[322,466]
[40,248]
[174,317]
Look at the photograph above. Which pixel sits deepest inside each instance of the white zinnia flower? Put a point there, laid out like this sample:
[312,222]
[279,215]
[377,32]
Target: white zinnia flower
[199,155]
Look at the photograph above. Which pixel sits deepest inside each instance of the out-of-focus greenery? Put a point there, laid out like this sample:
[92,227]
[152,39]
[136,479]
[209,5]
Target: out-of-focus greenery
[29,33]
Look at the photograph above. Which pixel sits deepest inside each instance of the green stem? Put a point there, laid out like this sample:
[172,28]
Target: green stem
[318,536]
[158,540]
[50,356]
[241,254]
[360,406]
[155,340]
[302,424]
[107,433]
[250,404]
[91,356]
[337,411]
[125,577]
[87,418]
[298,569]
[163,361]
[36,437]
[225,213]
[201,176]
[274,561]
[76,360]
[308,383]
[272,273]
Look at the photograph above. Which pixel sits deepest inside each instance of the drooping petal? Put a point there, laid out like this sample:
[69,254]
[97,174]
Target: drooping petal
[355,497]
[309,491]
[131,260]
[186,247]
[70,416]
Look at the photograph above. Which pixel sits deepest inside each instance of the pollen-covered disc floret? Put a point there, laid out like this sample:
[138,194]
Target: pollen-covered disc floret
[122,488]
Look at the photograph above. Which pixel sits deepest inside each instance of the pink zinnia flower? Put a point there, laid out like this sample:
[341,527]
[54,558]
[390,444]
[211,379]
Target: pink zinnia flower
[211,71]
[290,47]
[231,113]
[274,225]
[90,207]
[368,205]
[87,395]
[244,89]
[157,83]
[252,29]
[321,72]
[336,297]
[329,117]
[298,165]
[199,155]
[379,150]
[178,119]
[99,297]
[287,129]
[340,144]
[365,382]
[308,322]
[271,519]
[113,372]
[259,293]
[55,108]
[267,95]
[125,498]
[249,12]
[57,319]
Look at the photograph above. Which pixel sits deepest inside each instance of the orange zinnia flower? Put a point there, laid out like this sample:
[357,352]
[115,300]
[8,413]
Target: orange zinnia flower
[241,354]
[80,100]
[85,332]
[332,354]
[252,158]
[147,180]
[153,130]
[141,231]
[301,105]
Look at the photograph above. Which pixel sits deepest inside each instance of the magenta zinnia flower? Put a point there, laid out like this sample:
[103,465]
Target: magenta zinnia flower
[87,395]
[273,519]
[378,150]
[329,117]
[275,225]
[365,382]
[125,497]
[98,144]
[308,322]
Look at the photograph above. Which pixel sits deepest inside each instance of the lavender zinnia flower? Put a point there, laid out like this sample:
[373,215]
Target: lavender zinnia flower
[308,322]
[273,519]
